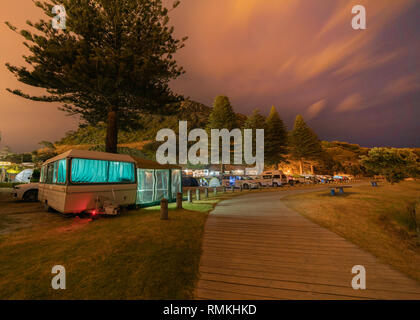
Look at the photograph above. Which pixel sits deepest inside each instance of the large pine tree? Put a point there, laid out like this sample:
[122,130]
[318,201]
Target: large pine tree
[112,62]
[304,143]
[222,116]
[275,139]
[255,121]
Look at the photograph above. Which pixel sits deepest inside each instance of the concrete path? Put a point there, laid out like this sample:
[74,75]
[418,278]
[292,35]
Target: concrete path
[256,248]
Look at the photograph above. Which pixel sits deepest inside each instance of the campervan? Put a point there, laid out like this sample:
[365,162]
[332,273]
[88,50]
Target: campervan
[274,178]
[246,182]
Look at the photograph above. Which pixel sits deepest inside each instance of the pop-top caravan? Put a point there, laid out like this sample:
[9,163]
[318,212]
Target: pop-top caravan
[100,183]
[80,180]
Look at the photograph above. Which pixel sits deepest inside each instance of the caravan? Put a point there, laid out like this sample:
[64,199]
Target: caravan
[79,180]
[97,182]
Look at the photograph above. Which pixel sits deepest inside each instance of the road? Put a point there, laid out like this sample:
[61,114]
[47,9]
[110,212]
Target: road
[254,247]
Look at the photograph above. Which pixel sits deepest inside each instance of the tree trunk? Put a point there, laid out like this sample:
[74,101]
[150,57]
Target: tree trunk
[112,132]
[301,166]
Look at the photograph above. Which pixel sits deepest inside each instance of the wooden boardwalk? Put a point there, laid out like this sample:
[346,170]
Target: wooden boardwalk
[254,247]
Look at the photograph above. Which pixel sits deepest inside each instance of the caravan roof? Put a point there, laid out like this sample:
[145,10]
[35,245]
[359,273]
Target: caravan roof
[86,154]
[96,155]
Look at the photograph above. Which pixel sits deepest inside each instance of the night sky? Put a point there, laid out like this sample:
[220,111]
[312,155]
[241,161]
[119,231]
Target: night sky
[359,86]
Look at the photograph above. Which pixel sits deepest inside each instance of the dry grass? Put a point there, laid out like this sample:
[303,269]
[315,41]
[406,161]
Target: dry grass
[375,219]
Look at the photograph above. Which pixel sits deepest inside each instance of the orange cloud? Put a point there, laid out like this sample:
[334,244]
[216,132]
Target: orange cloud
[350,103]
[316,108]
[402,85]
[289,40]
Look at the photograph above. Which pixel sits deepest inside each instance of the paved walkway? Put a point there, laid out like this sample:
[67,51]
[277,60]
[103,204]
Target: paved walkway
[256,248]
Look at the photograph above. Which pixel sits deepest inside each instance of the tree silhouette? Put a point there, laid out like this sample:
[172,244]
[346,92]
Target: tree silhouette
[304,143]
[112,62]
[222,116]
[275,139]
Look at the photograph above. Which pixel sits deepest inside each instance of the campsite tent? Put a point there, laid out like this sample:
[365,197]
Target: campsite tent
[24,176]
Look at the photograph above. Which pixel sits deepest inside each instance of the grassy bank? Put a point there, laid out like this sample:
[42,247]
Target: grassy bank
[375,219]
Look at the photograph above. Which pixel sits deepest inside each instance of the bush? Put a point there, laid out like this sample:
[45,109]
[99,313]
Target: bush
[394,164]
[36,175]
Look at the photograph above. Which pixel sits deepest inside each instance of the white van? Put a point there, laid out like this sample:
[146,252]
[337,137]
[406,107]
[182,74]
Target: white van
[274,178]
[84,181]
[246,182]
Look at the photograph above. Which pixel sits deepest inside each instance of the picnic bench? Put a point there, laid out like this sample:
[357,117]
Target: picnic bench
[340,189]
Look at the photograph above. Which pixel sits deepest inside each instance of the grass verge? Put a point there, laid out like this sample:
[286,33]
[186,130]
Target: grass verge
[375,219]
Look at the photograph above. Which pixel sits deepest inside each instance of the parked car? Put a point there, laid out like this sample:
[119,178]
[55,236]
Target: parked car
[298,179]
[272,178]
[326,179]
[26,192]
[246,183]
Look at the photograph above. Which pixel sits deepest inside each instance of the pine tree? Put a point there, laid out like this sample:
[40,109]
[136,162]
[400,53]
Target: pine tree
[222,116]
[275,139]
[304,142]
[112,62]
[255,121]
